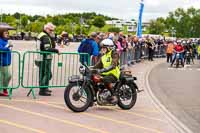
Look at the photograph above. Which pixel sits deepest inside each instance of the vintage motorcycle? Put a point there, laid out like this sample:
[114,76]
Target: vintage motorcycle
[179,59]
[82,93]
[188,57]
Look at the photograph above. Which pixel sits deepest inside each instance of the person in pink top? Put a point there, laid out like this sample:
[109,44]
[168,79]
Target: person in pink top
[118,45]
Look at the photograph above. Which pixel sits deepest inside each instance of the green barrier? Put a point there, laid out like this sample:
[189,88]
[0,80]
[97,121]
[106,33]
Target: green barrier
[9,73]
[49,70]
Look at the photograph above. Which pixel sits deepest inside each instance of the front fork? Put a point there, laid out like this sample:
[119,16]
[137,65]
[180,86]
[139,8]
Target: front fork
[136,87]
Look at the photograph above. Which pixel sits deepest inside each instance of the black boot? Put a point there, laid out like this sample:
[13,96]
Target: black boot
[49,90]
[44,92]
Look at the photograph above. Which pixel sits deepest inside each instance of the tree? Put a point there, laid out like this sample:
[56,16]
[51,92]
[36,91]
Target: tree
[10,20]
[24,21]
[17,15]
[156,26]
[185,22]
[35,27]
[99,21]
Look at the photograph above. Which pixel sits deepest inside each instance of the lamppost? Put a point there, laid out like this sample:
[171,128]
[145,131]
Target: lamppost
[1,16]
[72,27]
[173,32]
[81,22]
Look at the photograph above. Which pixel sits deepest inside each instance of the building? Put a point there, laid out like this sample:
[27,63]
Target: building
[131,25]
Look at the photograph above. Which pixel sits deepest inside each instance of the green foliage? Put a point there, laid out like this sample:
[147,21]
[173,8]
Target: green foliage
[185,23]
[156,26]
[68,22]
[114,29]
[10,20]
[99,21]
[35,27]
[81,30]
[106,28]
[24,21]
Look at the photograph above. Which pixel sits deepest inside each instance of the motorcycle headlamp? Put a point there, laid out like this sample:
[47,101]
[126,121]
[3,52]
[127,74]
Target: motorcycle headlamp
[82,69]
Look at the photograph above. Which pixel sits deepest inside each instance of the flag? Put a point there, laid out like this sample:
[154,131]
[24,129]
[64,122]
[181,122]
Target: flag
[139,25]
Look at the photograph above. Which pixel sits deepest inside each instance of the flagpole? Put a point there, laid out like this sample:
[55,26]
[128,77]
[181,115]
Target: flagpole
[139,24]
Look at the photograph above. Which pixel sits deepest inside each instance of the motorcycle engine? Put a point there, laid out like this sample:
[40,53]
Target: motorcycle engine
[102,96]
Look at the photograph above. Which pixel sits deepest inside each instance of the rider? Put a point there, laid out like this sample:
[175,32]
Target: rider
[178,49]
[189,48]
[63,38]
[108,66]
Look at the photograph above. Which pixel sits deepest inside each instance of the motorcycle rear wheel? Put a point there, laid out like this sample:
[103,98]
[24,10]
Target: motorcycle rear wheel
[131,89]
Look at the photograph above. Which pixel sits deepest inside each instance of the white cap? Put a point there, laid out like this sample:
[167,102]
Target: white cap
[107,42]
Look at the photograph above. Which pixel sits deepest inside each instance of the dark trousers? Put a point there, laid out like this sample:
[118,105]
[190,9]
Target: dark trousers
[85,59]
[169,58]
[45,74]
[150,54]
[107,80]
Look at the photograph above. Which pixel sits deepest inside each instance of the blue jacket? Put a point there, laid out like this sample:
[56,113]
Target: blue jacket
[5,53]
[95,51]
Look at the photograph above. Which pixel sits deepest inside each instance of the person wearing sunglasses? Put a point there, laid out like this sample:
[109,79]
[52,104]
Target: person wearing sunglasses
[46,44]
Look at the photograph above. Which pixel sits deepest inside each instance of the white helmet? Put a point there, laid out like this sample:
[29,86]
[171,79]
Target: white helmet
[107,43]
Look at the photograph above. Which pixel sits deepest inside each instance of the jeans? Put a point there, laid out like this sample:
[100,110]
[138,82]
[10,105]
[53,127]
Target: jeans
[137,55]
[180,57]
[5,77]
[130,56]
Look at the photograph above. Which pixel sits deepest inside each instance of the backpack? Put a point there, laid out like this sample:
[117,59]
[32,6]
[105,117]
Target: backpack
[86,47]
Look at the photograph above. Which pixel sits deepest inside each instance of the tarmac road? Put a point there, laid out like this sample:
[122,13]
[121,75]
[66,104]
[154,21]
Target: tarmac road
[178,90]
[50,115]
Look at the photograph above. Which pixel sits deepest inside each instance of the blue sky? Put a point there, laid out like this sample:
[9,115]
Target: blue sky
[124,9]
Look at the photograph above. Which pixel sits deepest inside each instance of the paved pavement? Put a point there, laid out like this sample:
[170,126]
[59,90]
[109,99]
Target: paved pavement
[178,90]
[49,114]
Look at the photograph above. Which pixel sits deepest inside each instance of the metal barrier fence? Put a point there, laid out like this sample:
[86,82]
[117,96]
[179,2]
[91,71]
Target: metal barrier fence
[138,53]
[9,71]
[47,70]
[38,68]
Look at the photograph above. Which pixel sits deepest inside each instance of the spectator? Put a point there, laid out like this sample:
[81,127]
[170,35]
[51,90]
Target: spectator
[169,51]
[198,49]
[137,48]
[117,44]
[130,51]
[90,47]
[5,61]
[47,44]
[22,35]
[150,45]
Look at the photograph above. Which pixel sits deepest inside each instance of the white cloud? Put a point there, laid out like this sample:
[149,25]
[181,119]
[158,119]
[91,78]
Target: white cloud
[125,9]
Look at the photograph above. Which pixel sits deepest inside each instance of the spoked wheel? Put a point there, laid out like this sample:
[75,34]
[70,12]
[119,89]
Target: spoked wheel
[127,96]
[78,99]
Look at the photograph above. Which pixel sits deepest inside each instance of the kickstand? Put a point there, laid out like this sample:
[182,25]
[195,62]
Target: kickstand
[29,92]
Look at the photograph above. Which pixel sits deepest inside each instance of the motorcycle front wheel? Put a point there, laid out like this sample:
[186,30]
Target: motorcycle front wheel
[127,96]
[77,98]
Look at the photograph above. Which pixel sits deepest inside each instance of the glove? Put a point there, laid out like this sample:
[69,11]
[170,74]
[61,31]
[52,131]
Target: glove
[100,70]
